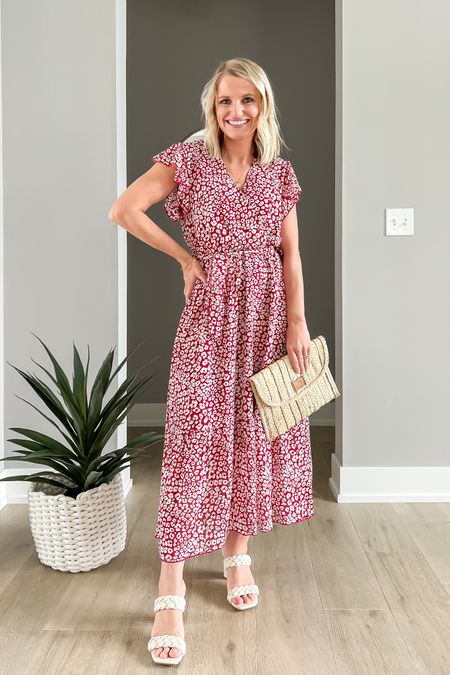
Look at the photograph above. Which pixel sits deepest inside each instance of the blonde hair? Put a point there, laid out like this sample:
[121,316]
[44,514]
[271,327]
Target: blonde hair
[267,138]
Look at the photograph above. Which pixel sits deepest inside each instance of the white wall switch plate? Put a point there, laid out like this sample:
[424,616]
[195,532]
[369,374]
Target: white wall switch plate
[399,222]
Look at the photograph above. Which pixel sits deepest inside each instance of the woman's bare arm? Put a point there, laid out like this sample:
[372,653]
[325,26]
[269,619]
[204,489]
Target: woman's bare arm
[128,210]
[292,268]
[298,338]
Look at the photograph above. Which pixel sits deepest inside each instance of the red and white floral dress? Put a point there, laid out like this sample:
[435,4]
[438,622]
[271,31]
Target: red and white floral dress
[219,472]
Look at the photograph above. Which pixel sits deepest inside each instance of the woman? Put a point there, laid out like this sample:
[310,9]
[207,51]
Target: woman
[221,480]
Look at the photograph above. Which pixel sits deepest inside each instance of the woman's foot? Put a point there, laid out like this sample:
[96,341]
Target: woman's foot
[240,574]
[169,621]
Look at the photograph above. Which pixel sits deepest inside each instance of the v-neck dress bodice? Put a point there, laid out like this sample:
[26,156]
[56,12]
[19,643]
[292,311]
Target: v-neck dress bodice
[242,187]
[219,472]
[216,215]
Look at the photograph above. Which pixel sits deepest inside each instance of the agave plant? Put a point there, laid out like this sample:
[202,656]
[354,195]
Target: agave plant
[86,425]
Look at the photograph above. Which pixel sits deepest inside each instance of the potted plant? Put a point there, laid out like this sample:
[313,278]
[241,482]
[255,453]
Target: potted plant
[77,510]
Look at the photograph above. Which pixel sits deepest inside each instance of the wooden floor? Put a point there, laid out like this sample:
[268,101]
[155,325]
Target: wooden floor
[360,588]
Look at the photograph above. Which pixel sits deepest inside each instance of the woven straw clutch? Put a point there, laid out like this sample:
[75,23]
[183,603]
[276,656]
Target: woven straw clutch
[284,397]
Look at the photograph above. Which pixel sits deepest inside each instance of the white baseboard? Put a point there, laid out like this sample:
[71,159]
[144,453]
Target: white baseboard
[352,484]
[15,492]
[147,415]
[154,414]
[361,484]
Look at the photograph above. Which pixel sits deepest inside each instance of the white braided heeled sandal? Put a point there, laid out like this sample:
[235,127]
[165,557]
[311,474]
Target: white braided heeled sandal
[176,641]
[232,561]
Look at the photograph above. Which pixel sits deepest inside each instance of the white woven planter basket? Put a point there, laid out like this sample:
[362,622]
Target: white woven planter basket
[78,534]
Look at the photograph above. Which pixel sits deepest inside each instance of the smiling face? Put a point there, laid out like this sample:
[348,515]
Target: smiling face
[237,107]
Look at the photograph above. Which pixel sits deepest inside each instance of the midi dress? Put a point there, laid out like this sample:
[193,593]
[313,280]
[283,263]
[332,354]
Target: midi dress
[219,472]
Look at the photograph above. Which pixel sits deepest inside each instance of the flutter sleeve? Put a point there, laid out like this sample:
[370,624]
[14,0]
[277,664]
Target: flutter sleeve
[290,190]
[176,203]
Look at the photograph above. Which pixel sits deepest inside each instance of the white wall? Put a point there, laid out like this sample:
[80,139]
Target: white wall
[64,163]
[393,323]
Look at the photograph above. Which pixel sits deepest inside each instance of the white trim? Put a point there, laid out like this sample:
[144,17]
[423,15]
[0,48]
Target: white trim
[338,227]
[362,484]
[121,172]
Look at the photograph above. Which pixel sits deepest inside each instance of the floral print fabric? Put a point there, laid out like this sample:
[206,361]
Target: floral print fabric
[219,472]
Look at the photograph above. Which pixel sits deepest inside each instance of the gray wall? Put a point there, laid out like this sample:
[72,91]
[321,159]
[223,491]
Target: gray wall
[173,48]
[394,326]
[59,162]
